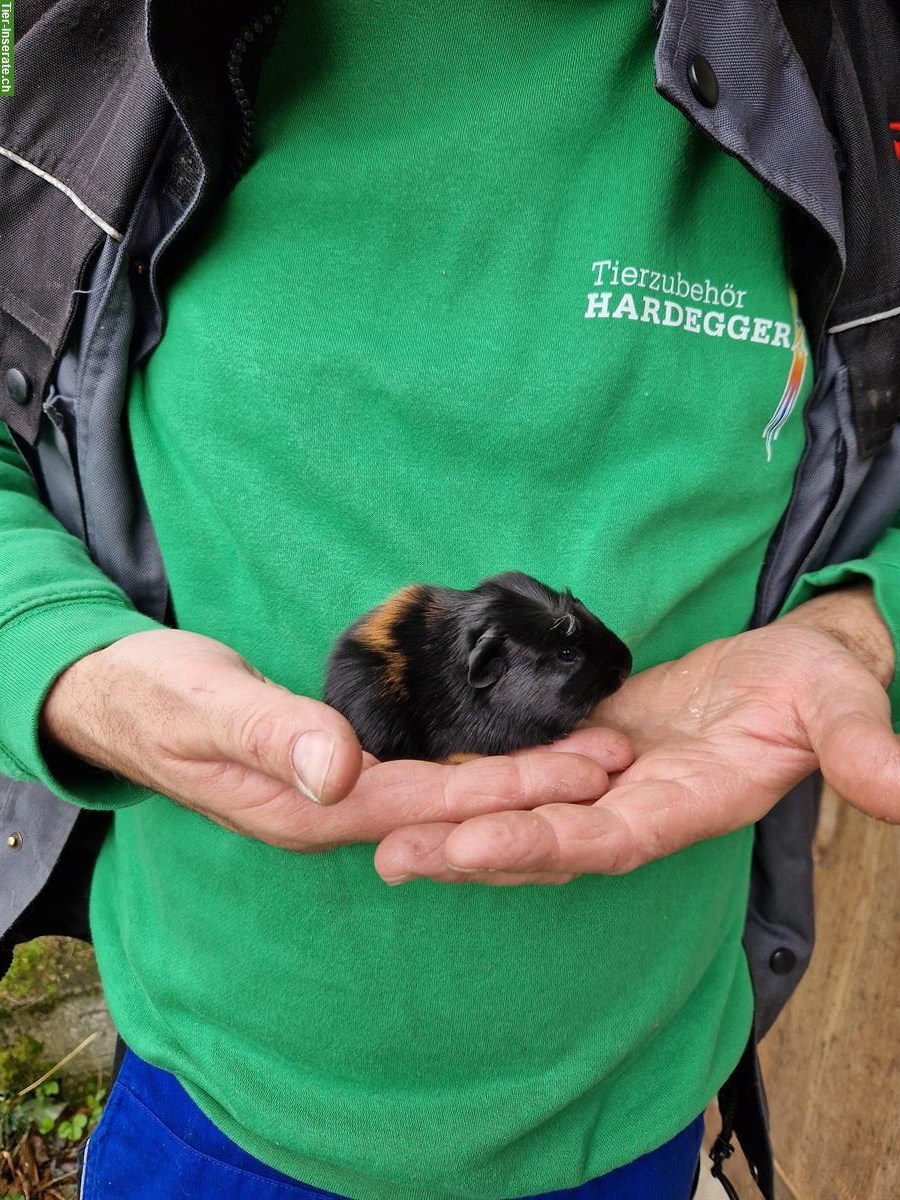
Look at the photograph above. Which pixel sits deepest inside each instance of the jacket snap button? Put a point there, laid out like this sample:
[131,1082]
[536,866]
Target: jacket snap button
[14,841]
[702,79]
[17,386]
[783,961]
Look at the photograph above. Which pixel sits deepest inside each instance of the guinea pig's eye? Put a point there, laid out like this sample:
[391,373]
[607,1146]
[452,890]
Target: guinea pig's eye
[568,654]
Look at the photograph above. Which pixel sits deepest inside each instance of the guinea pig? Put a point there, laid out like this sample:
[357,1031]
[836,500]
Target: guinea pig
[436,673]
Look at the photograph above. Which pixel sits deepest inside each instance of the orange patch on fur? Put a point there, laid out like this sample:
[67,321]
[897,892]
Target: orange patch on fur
[453,760]
[378,633]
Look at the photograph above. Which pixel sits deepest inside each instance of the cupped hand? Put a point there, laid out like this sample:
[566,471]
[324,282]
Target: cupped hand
[720,736]
[188,717]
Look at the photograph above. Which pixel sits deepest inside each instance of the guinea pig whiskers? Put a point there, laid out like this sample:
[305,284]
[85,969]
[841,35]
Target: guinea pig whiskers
[571,621]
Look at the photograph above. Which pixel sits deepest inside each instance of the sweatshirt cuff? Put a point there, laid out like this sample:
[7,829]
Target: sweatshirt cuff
[35,647]
[885,579]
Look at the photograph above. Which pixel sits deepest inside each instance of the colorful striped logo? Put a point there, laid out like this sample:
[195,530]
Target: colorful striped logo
[794,381]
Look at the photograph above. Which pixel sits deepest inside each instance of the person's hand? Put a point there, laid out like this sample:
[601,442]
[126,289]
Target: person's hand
[186,716]
[720,735]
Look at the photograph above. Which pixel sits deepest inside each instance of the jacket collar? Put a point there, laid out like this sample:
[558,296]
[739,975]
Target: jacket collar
[763,110]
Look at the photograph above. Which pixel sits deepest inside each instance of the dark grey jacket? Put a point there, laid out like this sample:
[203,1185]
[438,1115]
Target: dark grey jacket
[130,122]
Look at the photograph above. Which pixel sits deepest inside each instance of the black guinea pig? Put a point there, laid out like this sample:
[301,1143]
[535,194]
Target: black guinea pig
[436,673]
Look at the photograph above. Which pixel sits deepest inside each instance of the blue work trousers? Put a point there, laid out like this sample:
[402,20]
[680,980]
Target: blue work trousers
[154,1143]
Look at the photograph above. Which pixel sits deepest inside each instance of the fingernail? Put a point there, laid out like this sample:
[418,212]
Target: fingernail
[312,757]
[392,882]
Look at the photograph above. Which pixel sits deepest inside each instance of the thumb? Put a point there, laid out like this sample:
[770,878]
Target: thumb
[299,741]
[850,730]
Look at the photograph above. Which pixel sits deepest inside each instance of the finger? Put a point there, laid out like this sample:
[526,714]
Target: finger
[406,792]
[609,747]
[417,852]
[632,825]
[291,739]
[859,754]
[539,842]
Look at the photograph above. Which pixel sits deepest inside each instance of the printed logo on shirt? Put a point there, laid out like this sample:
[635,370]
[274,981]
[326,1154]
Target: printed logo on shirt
[794,381]
[637,294]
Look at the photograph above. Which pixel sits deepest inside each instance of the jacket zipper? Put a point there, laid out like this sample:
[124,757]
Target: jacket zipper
[239,49]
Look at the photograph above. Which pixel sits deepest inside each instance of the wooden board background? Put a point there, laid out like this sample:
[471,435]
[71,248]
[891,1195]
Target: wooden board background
[832,1061]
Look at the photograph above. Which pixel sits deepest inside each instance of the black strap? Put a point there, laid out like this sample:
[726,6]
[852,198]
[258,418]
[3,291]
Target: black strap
[722,1150]
[745,1115]
[118,1055]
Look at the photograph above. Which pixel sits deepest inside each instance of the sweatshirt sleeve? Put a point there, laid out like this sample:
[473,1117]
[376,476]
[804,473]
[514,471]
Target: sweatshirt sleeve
[882,567]
[56,606]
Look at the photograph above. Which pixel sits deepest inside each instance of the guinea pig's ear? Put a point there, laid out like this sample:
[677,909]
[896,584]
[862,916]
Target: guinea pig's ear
[487,661]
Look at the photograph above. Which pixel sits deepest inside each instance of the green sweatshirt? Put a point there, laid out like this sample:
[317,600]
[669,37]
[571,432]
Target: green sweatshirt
[471,310]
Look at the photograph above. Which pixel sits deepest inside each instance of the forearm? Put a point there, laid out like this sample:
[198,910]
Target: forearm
[55,607]
[852,616]
[863,619]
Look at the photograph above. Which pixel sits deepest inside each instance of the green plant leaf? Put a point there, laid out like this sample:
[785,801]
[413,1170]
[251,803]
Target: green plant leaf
[43,1114]
[72,1130]
[94,1105]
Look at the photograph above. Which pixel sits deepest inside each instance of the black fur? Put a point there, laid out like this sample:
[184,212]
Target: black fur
[477,672]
